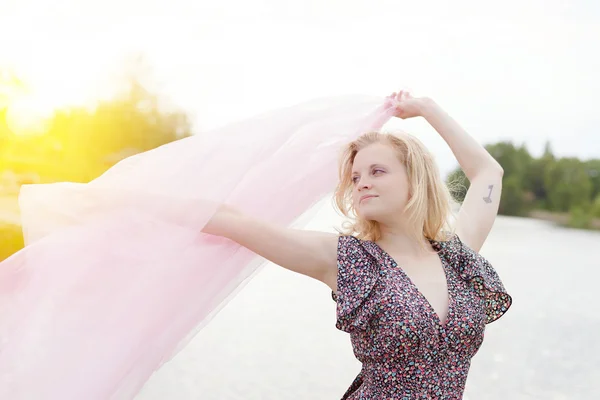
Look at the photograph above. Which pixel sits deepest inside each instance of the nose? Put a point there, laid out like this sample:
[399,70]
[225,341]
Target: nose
[364,185]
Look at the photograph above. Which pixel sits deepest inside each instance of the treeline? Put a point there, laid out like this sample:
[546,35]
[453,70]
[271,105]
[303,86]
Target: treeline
[79,144]
[558,185]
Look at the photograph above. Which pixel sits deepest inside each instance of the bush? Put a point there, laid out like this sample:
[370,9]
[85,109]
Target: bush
[568,185]
[11,239]
[579,218]
[514,200]
[595,210]
[458,184]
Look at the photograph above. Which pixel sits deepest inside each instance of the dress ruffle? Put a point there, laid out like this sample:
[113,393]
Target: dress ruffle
[474,268]
[357,275]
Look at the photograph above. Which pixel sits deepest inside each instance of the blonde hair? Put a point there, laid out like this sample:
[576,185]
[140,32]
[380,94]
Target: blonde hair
[430,206]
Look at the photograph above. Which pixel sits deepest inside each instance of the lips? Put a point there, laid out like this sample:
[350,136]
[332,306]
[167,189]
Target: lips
[366,196]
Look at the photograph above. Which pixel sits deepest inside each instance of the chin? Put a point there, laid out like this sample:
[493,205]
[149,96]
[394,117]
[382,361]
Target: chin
[369,213]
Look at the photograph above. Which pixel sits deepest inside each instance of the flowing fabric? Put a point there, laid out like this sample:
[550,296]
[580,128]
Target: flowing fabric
[116,276]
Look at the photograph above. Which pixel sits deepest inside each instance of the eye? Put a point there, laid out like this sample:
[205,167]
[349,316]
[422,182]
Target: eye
[377,171]
[355,179]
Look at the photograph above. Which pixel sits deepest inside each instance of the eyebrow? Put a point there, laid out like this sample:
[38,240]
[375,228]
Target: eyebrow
[371,167]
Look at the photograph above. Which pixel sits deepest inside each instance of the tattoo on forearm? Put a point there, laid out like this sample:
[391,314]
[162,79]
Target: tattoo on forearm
[488,199]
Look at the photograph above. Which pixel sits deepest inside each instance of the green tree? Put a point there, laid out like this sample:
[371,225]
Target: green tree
[11,238]
[579,218]
[595,210]
[514,160]
[458,184]
[92,141]
[534,177]
[593,170]
[568,185]
[82,143]
[513,200]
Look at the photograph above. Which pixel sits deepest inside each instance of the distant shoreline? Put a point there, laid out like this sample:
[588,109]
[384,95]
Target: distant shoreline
[561,218]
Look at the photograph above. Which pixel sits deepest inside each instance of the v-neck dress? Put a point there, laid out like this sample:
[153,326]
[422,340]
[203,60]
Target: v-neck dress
[406,351]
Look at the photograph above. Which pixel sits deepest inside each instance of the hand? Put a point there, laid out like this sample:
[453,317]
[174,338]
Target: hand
[407,106]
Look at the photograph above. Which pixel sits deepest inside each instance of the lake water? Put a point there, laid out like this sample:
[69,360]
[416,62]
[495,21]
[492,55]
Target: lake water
[276,340]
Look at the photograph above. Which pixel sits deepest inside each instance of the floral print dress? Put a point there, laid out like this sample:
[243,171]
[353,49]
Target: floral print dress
[406,351]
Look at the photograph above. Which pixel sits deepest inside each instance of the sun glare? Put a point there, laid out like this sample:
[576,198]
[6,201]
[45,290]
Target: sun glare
[28,114]
[30,105]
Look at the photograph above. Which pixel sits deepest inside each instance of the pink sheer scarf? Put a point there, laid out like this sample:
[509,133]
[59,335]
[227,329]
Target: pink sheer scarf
[116,276]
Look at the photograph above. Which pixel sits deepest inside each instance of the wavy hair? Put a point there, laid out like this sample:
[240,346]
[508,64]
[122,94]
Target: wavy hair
[429,208]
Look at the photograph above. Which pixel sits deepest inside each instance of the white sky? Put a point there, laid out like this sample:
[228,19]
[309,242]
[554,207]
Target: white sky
[523,70]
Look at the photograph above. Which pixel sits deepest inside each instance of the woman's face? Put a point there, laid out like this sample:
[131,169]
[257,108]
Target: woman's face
[381,188]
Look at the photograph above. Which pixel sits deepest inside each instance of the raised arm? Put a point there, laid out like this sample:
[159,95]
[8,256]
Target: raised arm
[309,253]
[480,206]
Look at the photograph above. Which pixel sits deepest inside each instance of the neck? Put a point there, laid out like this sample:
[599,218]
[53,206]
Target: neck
[397,237]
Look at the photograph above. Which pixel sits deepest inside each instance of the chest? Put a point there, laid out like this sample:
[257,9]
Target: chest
[426,281]
[406,324]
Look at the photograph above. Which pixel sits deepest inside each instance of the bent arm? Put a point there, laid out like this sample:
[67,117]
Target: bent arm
[310,253]
[480,207]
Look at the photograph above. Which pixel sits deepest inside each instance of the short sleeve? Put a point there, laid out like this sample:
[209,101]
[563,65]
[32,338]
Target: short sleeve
[356,277]
[474,268]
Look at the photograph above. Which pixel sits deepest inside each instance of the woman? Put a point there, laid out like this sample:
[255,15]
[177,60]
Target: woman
[120,273]
[414,298]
